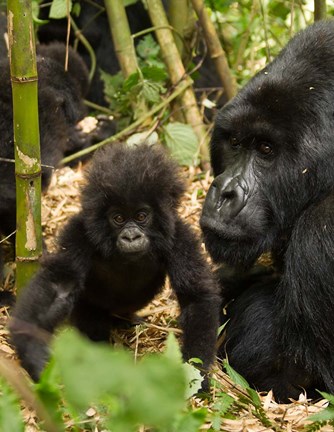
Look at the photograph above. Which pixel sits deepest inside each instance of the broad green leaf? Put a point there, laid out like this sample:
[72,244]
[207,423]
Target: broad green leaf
[172,349]
[59,8]
[155,73]
[131,81]
[150,92]
[148,48]
[194,380]
[150,392]
[10,415]
[182,142]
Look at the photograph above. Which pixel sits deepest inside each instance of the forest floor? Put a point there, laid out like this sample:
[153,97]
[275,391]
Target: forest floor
[160,316]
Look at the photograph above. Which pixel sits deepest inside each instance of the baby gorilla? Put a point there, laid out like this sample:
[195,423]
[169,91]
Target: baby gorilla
[114,256]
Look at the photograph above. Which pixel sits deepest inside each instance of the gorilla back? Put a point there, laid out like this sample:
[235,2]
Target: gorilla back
[272,153]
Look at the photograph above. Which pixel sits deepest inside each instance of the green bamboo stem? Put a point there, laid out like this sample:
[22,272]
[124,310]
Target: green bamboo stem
[177,72]
[124,46]
[320,10]
[215,49]
[178,17]
[26,139]
[121,35]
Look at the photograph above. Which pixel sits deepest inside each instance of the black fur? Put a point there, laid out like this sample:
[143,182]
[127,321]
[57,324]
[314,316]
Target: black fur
[114,256]
[272,153]
[60,108]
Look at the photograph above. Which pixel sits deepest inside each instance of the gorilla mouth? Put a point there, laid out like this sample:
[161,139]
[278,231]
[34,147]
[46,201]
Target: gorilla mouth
[224,231]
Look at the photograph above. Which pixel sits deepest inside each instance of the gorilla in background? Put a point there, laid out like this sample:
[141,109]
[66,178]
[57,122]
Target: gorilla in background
[272,153]
[113,258]
[60,98]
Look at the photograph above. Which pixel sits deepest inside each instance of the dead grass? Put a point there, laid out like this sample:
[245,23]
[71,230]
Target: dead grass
[160,316]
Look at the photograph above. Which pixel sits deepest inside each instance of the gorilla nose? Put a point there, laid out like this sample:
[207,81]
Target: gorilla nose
[228,195]
[131,236]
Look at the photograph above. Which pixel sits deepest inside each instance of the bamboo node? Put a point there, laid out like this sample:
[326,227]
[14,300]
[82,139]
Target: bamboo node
[24,80]
[28,176]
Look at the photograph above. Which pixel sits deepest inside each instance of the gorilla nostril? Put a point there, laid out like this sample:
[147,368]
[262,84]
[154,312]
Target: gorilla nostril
[130,237]
[228,195]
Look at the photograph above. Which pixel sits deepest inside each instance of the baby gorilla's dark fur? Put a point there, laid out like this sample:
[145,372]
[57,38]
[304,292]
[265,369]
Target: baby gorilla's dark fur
[114,256]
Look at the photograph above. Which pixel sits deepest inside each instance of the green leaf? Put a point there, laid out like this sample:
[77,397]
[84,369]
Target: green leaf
[327,396]
[59,9]
[49,391]
[326,415]
[190,421]
[154,73]
[182,142]
[131,81]
[35,13]
[254,397]
[150,392]
[148,48]
[194,380]
[151,91]
[172,349]
[235,376]
[10,415]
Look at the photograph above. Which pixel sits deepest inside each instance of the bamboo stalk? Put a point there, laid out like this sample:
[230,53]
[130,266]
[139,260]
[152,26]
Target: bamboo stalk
[176,72]
[178,17]
[121,35]
[26,139]
[124,46]
[320,10]
[215,49]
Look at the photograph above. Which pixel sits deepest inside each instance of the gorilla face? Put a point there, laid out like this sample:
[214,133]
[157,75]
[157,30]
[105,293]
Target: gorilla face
[271,149]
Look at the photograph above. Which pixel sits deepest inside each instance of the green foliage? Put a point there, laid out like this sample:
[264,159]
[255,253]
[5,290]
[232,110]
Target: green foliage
[183,143]
[49,391]
[59,8]
[147,84]
[251,398]
[324,417]
[10,416]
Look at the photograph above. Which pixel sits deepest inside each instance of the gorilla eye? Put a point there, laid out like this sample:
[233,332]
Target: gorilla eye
[141,217]
[119,219]
[234,141]
[264,148]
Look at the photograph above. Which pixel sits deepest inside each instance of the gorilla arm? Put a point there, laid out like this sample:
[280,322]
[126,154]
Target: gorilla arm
[198,296]
[48,299]
[305,301]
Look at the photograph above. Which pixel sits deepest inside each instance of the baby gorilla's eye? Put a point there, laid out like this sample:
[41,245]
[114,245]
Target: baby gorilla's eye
[119,219]
[264,148]
[141,217]
[234,141]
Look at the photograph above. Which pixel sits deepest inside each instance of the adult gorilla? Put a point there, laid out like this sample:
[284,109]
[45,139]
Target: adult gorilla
[272,154]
